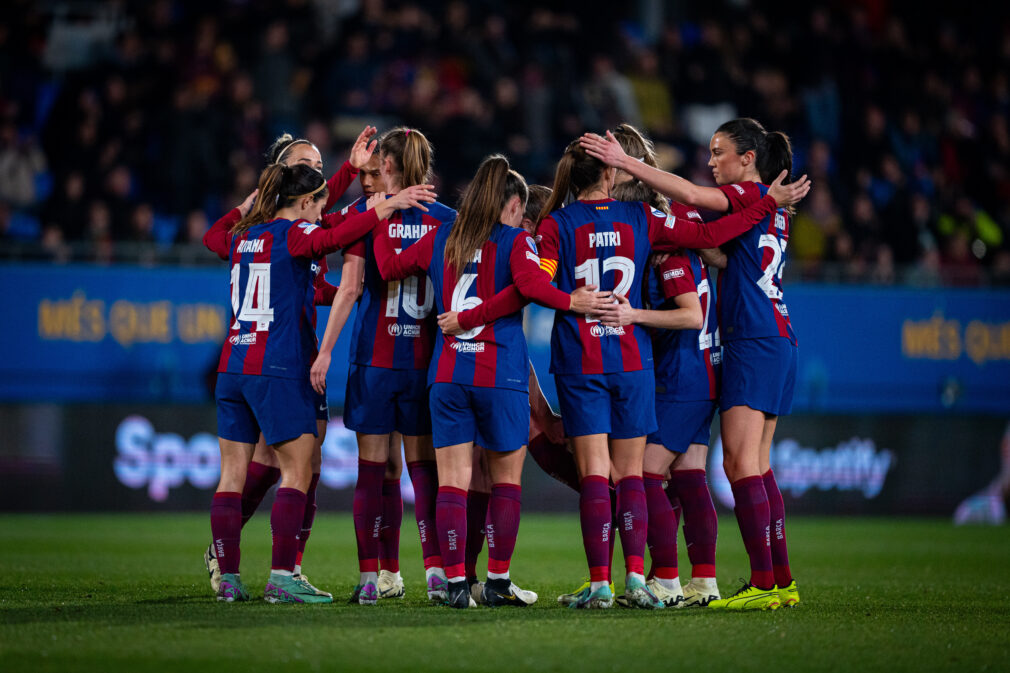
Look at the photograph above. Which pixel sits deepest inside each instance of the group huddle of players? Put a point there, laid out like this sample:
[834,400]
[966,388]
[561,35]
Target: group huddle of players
[643,349]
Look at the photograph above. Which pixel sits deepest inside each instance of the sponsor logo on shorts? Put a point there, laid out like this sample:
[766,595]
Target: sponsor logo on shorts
[468,346]
[243,339]
[599,330]
[673,273]
[396,329]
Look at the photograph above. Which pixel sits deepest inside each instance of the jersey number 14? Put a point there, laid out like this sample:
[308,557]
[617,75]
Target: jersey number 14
[255,299]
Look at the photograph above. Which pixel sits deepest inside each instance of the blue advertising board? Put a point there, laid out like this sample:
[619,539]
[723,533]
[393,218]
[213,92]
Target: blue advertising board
[91,333]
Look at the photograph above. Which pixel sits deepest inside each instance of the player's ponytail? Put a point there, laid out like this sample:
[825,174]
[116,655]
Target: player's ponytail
[637,146]
[411,154]
[279,187]
[576,173]
[777,156]
[494,184]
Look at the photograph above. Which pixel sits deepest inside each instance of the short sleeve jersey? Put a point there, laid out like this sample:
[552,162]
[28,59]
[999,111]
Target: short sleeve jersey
[750,303]
[687,361]
[272,294]
[492,355]
[603,243]
[394,326]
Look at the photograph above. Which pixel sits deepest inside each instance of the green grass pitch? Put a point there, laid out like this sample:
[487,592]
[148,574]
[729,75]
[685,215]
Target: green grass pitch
[111,593]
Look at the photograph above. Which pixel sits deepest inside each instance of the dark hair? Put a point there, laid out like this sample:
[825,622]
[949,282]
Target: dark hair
[576,172]
[535,203]
[279,187]
[772,151]
[480,209]
[411,153]
[276,152]
[637,146]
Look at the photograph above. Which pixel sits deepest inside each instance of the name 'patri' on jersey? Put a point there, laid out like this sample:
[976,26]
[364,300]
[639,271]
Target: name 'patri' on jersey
[750,303]
[493,355]
[600,243]
[272,304]
[394,325]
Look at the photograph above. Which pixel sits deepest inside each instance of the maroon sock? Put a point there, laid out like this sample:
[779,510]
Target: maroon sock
[753,518]
[555,460]
[310,516]
[424,477]
[476,516]
[450,516]
[613,537]
[285,522]
[662,536]
[392,517]
[368,513]
[633,519]
[503,514]
[701,524]
[777,510]
[258,480]
[594,511]
[226,529]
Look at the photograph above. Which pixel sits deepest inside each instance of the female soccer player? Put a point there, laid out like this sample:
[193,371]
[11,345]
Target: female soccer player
[687,375]
[479,379]
[263,372]
[386,389]
[263,470]
[390,582]
[759,346]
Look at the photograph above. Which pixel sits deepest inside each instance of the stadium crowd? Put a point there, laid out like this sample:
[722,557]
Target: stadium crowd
[142,122]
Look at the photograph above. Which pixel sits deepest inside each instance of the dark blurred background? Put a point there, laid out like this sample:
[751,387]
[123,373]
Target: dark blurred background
[127,127]
[126,121]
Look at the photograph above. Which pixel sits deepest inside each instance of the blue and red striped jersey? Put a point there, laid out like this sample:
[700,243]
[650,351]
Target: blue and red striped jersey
[750,301]
[394,326]
[687,361]
[491,355]
[603,243]
[272,294]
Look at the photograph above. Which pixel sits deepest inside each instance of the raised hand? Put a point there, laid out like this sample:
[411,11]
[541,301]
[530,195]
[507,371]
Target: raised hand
[607,150]
[248,203]
[413,197]
[362,149]
[787,195]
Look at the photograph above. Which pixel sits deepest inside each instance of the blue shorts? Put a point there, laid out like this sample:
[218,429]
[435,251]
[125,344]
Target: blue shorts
[622,405]
[492,418]
[758,373]
[379,401]
[280,408]
[682,424]
[321,405]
